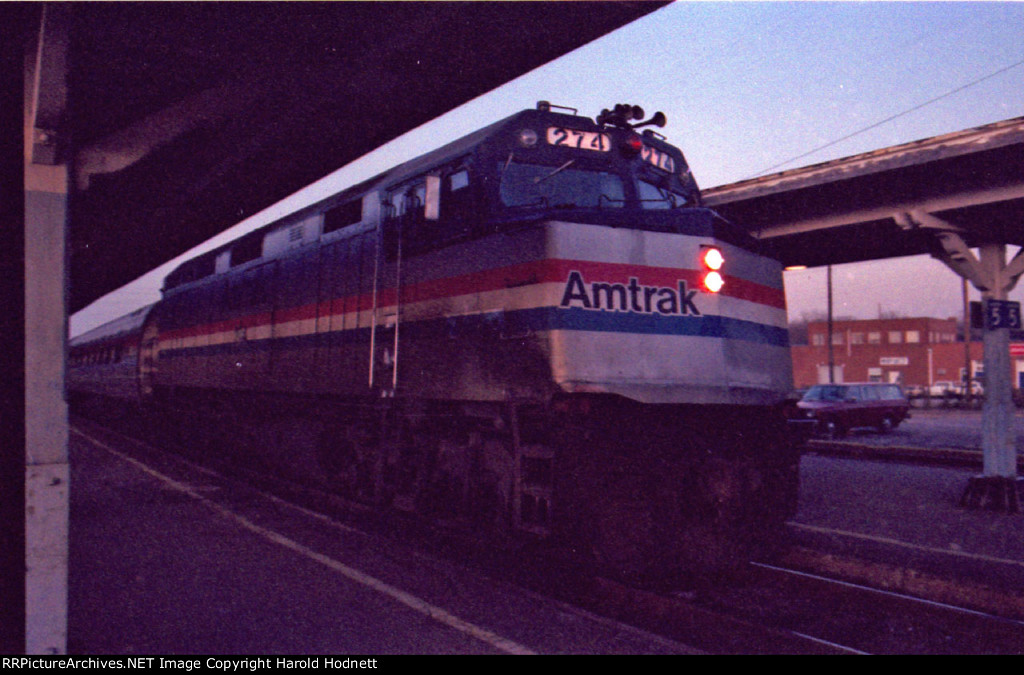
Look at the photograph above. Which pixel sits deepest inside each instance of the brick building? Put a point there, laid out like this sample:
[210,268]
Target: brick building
[907,351]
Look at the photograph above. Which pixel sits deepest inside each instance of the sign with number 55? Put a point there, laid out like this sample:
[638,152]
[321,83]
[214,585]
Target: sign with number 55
[1002,314]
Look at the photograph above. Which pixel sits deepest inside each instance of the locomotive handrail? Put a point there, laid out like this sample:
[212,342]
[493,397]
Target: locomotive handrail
[373,196]
[398,305]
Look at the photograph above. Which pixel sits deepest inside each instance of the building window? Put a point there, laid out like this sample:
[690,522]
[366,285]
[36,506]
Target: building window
[837,338]
[856,338]
[913,336]
[895,337]
[874,338]
[818,339]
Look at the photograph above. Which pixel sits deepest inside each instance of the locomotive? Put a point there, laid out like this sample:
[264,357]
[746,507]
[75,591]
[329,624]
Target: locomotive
[536,330]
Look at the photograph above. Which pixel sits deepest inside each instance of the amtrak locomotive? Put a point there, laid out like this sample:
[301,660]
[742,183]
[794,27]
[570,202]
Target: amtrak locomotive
[536,329]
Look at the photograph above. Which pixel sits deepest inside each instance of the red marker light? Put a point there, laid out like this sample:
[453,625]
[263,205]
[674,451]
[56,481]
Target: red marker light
[712,259]
[632,144]
[713,282]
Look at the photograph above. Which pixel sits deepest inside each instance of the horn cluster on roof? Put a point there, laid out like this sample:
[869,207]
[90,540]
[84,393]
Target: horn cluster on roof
[622,114]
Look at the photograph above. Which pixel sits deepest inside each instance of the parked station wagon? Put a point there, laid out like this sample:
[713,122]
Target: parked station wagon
[837,408]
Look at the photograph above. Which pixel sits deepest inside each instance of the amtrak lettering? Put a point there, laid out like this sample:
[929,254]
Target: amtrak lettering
[631,297]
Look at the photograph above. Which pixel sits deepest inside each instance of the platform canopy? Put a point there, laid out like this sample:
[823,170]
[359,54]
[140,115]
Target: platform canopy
[849,210]
[185,118]
[947,196]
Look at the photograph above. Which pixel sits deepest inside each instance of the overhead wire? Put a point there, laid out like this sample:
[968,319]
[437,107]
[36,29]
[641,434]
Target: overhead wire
[890,118]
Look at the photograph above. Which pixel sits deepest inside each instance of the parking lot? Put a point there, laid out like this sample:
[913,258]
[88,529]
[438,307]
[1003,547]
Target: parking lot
[936,427]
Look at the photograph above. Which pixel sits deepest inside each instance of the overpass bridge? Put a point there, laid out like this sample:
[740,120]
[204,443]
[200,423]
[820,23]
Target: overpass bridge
[947,196]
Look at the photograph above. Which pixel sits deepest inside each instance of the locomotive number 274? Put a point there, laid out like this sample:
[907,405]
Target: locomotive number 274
[583,140]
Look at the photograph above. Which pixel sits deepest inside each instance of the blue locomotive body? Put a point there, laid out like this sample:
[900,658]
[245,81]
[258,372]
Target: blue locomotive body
[579,348]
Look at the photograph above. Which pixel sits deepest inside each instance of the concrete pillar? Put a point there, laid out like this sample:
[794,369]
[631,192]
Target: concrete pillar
[46,419]
[998,436]
[998,432]
[13,30]
[998,487]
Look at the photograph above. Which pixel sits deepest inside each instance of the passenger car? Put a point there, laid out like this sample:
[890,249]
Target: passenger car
[837,408]
[944,388]
[950,389]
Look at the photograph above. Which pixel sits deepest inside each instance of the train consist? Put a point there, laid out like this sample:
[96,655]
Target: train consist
[537,330]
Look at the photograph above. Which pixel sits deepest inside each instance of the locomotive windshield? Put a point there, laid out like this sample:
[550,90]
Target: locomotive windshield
[559,186]
[658,197]
[547,160]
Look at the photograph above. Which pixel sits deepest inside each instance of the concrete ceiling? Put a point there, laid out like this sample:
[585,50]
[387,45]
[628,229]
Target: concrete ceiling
[189,117]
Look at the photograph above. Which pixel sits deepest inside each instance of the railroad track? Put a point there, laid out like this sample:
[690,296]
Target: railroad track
[865,618]
[764,608]
[768,609]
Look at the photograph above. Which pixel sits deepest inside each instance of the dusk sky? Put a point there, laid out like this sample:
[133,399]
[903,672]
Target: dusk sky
[752,88]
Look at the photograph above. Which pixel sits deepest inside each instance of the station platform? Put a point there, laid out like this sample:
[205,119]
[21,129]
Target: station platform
[169,559]
[166,558]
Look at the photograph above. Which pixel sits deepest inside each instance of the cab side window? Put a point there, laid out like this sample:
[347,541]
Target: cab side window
[404,222]
[456,205]
[405,212]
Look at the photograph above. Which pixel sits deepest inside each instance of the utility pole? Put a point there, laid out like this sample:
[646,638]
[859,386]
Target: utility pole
[831,350]
[968,334]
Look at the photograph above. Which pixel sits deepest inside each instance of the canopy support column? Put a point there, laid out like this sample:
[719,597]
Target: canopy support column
[998,487]
[46,418]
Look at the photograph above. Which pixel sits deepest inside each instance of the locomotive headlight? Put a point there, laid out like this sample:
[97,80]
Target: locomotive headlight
[712,259]
[527,138]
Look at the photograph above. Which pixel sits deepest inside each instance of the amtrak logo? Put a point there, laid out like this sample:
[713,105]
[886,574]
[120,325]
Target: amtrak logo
[631,297]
